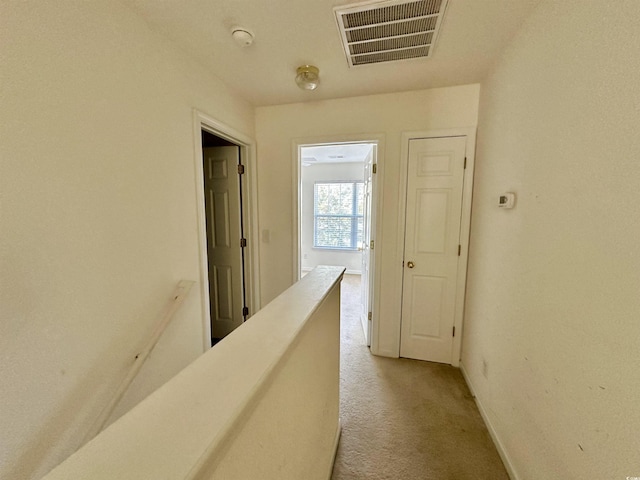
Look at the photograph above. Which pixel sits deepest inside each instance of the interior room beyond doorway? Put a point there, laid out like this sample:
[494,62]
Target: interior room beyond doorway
[336,194]
[331,205]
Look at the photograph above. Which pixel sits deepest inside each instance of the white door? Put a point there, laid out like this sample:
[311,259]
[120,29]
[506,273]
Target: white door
[366,279]
[431,249]
[222,207]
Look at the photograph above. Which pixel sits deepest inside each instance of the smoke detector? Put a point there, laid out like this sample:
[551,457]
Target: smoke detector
[376,32]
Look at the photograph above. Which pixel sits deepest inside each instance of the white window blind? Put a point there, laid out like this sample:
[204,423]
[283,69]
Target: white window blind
[338,209]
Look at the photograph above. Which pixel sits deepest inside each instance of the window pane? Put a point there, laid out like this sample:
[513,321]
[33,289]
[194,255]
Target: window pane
[360,197]
[338,209]
[334,198]
[333,232]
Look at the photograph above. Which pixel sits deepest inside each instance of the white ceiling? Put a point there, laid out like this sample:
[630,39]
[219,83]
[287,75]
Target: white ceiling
[340,153]
[290,33]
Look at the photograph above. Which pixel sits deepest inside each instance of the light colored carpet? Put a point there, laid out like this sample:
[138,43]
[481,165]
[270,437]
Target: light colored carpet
[405,419]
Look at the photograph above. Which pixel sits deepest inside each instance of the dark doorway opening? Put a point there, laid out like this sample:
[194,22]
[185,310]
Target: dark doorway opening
[226,243]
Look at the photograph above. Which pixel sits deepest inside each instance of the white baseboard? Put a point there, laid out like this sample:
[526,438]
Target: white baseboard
[336,441]
[506,460]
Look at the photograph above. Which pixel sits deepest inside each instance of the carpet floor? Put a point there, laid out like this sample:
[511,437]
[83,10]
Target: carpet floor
[405,419]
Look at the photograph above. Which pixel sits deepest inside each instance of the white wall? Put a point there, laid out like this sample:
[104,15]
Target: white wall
[278,127]
[325,172]
[553,302]
[98,214]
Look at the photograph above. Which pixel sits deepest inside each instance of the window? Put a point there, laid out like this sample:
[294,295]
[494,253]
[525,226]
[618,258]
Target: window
[338,208]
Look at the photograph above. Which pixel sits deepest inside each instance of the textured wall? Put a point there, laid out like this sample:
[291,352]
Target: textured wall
[553,290]
[98,214]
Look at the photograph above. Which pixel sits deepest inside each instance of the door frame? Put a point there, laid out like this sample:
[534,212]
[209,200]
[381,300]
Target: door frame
[296,145]
[465,223]
[202,121]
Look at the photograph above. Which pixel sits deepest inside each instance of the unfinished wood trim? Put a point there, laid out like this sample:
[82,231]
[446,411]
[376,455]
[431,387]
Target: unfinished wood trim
[179,294]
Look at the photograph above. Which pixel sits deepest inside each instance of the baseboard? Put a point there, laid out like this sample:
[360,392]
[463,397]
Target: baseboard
[506,460]
[336,442]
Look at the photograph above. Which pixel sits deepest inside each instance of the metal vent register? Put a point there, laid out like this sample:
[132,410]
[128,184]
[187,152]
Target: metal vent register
[390,30]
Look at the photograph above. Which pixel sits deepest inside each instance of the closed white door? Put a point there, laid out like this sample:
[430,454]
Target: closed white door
[222,207]
[431,250]
[366,283]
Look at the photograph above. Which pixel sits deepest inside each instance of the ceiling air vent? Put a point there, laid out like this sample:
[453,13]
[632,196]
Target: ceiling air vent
[375,32]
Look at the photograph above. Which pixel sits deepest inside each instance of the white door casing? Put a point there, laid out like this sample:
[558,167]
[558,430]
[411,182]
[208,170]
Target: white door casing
[434,195]
[222,200]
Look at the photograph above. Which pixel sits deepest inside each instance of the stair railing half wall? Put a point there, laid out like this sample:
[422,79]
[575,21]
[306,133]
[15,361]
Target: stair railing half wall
[262,404]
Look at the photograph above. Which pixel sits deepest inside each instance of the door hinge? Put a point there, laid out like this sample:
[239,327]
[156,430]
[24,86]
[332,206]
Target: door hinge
[243,242]
[375,168]
[370,316]
[465,163]
[371,244]
[454,331]
[240,169]
[459,249]
[245,311]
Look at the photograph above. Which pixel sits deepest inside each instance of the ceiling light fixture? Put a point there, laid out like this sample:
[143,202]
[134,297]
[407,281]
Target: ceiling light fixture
[307,77]
[242,36]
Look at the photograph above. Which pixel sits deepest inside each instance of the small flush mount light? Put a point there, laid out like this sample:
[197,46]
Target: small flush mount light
[242,36]
[307,77]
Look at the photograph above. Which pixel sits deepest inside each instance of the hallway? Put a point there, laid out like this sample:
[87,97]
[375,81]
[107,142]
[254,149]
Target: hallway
[405,419]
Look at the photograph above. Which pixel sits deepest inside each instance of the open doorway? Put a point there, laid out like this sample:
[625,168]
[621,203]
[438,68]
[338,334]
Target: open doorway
[211,133]
[337,214]
[225,237]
